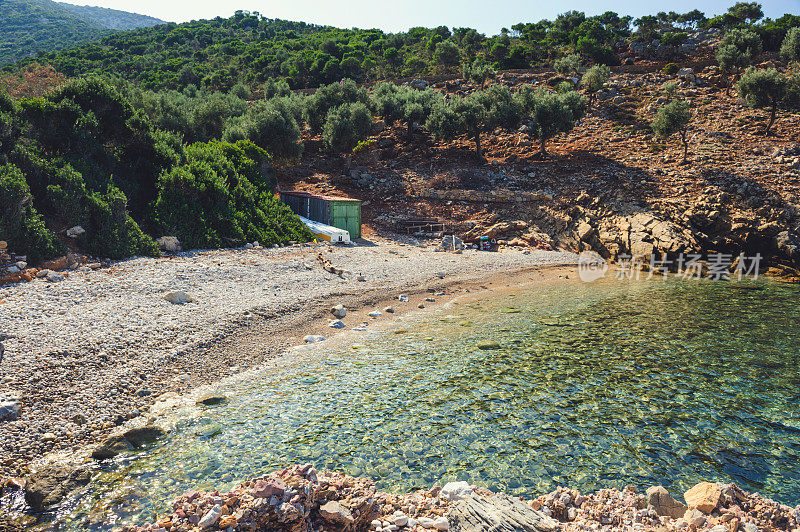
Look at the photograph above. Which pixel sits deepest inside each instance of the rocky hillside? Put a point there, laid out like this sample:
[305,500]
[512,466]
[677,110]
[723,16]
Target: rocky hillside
[28,27]
[610,185]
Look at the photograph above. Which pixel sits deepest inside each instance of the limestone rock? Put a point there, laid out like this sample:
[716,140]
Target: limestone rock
[339,311]
[130,439]
[334,512]
[456,491]
[178,297]
[211,517]
[497,513]
[704,497]
[659,499]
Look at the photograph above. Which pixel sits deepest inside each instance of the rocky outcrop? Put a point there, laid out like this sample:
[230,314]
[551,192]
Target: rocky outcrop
[497,513]
[659,499]
[51,484]
[128,440]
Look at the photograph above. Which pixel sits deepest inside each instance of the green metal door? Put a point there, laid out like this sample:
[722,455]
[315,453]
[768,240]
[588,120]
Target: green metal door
[347,215]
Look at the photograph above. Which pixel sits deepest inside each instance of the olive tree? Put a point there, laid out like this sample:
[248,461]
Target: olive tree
[478,71]
[569,64]
[329,97]
[736,51]
[594,79]
[790,48]
[473,115]
[346,126]
[763,88]
[674,118]
[406,104]
[547,114]
[447,54]
[272,125]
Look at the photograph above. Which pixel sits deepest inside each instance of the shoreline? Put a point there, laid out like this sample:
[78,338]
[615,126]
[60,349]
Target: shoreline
[118,375]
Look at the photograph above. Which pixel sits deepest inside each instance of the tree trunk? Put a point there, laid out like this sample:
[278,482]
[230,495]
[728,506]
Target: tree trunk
[685,145]
[410,130]
[772,112]
[478,149]
[542,150]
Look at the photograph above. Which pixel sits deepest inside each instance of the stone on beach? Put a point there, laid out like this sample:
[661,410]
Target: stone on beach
[10,405]
[659,499]
[50,485]
[339,311]
[336,324]
[178,297]
[375,314]
[169,243]
[456,491]
[313,338]
[266,489]
[488,344]
[211,517]
[334,512]
[128,440]
[704,496]
[54,277]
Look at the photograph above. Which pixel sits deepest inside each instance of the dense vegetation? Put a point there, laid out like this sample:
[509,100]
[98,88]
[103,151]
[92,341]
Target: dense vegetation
[83,155]
[247,48]
[28,27]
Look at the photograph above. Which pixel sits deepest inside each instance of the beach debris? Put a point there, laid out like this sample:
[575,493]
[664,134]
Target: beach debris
[328,266]
[169,243]
[178,297]
[313,338]
[336,324]
[339,311]
[452,243]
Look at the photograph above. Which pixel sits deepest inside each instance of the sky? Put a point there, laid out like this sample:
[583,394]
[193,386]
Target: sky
[487,16]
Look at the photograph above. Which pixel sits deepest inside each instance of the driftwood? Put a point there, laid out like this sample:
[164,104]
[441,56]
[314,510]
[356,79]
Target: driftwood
[497,513]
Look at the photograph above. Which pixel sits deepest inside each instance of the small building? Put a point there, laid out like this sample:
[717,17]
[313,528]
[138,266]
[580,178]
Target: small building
[342,213]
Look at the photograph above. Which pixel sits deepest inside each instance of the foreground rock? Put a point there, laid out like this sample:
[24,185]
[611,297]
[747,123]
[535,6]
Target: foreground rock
[128,440]
[299,498]
[50,485]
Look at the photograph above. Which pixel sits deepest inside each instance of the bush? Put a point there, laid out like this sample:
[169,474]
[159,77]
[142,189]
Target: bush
[110,232]
[673,118]
[547,114]
[673,38]
[329,97]
[670,69]
[20,225]
[272,125]
[669,89]
[345,126]
[763,88]
[447,53]
[210,202]
[790,49]
[276,88]
[479,71]
[594,79]
[569,64]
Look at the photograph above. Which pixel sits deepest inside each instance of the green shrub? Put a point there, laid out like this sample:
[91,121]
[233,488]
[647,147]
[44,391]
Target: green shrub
[20,225]
[670,69]
[790,48]
[271,126]
[673,118]
[674,38]
[763,88]
[569,64]
[447,53]
[345,126]
[111,232]
[479,71]
[329,97]
[276,88]
[548,114]
[220,197]
[669,89]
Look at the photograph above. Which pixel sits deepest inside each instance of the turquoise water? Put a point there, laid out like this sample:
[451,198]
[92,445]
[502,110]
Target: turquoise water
[593,386]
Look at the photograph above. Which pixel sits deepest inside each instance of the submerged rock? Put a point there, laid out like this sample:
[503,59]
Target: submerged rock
[128,440]
[50,485]
[211,400]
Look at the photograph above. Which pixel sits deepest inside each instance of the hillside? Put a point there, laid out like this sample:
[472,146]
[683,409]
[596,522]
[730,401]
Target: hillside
[28,27]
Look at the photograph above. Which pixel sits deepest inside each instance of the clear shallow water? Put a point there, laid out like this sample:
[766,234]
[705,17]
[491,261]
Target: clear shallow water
[594,386]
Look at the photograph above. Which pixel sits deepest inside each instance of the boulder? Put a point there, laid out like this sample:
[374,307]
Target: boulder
[269,488]
[336,324]
[456,491]
[169,243]
[211,517]
[339,311]
[211,400]
[50,485]
[54,277]
[313,338]
[705,497]
[335,513]
[130,439]
[659,499]
[10,405]
[75,232]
